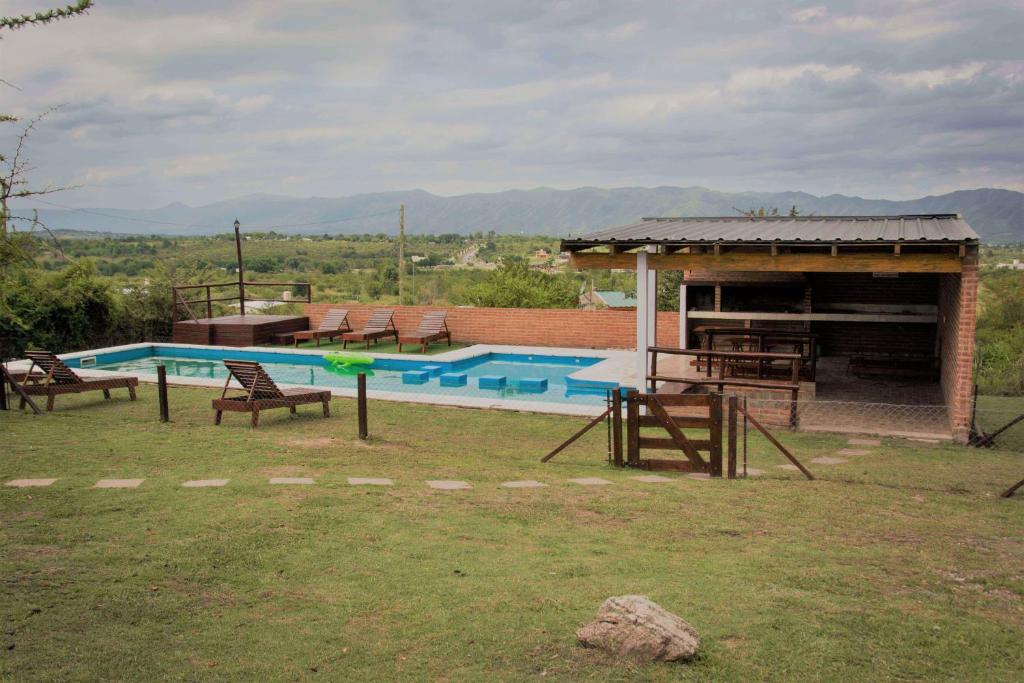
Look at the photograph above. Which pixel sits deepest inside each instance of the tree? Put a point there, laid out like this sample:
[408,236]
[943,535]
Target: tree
[514,285]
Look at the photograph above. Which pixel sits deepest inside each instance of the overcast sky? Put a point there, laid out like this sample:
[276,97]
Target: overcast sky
[198,101]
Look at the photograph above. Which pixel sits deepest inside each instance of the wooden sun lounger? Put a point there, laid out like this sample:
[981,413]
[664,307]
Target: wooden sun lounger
[381,324]
[58,378]
[334,324]
[432,328]
[262,393]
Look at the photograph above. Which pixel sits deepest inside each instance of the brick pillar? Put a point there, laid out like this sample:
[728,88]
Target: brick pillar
[958,308]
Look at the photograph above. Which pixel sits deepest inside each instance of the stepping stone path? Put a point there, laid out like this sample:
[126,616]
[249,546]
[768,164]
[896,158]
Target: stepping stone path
[306,481]
[448,485]
[25,483]
[590,481]
[527,484]
[699,476]
[847,452]
[369,481]
[204,483]
[118,483]
[826,460]
[754,472]
[787,466]
[864,442]
[652,478]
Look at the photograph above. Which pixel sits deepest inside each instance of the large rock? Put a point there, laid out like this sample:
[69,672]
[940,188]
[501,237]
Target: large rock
[633,626]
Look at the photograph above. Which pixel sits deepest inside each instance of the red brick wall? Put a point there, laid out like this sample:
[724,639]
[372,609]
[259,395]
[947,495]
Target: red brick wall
[605,329]
[958,302]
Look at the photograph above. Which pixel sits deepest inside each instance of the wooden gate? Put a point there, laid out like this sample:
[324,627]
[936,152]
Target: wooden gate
[673,413]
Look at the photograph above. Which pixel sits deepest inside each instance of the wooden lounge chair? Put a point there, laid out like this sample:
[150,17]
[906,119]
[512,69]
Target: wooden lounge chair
[381,324]
[57,378]
[262,393]
[432,328]
[334,324]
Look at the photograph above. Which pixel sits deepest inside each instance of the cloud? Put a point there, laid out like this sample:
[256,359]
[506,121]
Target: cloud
[195,102]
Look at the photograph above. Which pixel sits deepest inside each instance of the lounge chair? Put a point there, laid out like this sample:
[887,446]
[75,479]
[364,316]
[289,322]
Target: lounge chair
[381,324]
[334,324]
[432,328]
[57,378]
[262,393]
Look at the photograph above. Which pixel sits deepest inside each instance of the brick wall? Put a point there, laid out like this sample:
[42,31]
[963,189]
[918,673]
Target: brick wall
[958,301]
[604,329]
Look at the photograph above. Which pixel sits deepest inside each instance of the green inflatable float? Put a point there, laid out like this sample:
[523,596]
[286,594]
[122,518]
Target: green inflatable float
[348,364]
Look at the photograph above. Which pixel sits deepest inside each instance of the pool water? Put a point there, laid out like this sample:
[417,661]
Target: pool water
[387,373]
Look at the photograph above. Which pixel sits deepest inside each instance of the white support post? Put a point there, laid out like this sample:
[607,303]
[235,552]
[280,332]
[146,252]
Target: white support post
[684,323]
[643,326]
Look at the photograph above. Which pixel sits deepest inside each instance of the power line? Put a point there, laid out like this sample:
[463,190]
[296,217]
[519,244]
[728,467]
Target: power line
[214,227]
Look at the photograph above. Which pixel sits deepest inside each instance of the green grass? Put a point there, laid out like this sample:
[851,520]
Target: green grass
[381,347]
[901,564]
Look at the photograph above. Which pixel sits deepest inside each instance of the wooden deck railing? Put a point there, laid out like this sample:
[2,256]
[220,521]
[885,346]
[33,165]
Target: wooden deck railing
[181,303]
[731,368]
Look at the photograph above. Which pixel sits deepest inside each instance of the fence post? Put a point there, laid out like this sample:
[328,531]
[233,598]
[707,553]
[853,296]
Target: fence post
[3,386]
[161,387]
[617,427]
[632,429]
[715,429]
[732,436]
[361,405]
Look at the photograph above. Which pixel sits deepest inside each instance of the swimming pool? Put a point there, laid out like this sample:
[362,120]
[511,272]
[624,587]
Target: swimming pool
[531,378]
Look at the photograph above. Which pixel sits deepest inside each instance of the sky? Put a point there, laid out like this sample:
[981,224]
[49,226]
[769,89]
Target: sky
[196,102]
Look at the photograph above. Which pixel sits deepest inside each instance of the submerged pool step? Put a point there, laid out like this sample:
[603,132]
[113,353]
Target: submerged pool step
[453,379]
[533,385]
[415,377]
[492,381]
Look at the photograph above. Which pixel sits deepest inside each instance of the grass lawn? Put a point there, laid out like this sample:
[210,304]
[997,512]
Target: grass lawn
[903,563]
[380,347]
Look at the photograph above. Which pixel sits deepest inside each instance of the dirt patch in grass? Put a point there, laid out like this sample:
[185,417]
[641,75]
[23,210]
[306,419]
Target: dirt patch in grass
[311,442]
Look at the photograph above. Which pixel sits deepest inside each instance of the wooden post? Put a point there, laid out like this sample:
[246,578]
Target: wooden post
[732,436]
[793,407]
[209,304]
[3,387]
[617,428]
[632,429]
[715,435]
[161,388]
[361,404]
[241,270]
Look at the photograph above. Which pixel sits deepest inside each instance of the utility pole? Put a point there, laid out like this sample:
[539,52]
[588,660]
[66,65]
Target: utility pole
[401,254]
[241,274]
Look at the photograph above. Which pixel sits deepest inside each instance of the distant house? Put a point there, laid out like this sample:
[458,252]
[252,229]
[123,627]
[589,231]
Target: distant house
[1015,265]
[605,298]
[542,254]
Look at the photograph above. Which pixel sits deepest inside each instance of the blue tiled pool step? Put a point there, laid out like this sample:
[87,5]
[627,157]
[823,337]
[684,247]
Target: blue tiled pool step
[533,385]
[492,381]
[453,379]
[415,377]
[434,370]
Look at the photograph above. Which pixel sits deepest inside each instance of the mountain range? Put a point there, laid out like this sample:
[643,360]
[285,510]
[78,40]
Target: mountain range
[996,214]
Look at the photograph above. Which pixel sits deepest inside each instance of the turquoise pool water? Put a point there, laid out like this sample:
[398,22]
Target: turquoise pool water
[387,373]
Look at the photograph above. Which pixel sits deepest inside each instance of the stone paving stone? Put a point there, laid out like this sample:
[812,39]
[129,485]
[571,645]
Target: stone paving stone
[789,466]
[754,472]
[204,483]
[25,483]
[826,460]
[864,442]
[699,476]
[527,484]
[118,483]
[590,481]
[652,478]
[933,442]
[448,484]
[292,480]
[369,481]
[847,452]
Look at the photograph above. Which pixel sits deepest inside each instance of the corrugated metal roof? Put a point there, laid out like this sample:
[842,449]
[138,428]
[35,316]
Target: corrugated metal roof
[614,299]
[783,229]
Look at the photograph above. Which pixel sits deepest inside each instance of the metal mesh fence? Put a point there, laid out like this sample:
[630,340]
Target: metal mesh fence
[995,424]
